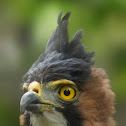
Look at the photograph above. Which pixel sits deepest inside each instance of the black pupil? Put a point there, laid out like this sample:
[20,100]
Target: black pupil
[67,92]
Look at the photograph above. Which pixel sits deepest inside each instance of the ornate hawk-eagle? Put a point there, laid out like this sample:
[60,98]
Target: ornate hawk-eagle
[63,88]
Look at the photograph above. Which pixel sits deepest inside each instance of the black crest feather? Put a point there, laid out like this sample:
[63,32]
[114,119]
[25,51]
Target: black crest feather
[62,56]
[59,38]
[59,41]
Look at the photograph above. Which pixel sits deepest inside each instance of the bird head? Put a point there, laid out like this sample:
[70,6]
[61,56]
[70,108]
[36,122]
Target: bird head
[62,87]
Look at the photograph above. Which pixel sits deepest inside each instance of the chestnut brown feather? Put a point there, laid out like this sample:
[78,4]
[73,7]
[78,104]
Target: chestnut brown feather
[97,101]
[25,119]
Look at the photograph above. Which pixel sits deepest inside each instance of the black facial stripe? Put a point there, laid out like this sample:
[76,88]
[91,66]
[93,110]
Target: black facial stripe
[72,115]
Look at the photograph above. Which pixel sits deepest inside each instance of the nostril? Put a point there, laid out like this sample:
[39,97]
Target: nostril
[36,90]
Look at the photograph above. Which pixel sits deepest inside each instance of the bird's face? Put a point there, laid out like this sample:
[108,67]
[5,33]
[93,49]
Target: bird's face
[50,97]
[54,87]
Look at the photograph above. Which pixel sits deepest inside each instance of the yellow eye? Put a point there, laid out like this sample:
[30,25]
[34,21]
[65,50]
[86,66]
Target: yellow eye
[67,93]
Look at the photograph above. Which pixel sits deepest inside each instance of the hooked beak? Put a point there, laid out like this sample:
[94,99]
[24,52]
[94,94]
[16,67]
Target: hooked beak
[31,102]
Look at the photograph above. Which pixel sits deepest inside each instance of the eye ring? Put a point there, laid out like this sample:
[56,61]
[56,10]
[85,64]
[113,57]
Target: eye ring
[67,93]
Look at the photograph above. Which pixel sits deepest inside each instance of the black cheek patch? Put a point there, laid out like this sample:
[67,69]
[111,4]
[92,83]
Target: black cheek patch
[72,115]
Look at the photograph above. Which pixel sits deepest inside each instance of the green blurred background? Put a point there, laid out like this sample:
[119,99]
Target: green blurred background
[25,26]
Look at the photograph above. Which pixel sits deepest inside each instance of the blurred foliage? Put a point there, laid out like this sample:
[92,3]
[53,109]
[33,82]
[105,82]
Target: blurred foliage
[26,26]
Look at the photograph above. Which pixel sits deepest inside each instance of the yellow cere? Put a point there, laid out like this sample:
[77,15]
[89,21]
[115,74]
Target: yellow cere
[35,87]
[67,93]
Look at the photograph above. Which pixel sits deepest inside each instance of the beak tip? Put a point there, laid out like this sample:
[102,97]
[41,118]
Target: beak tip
[22,111]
